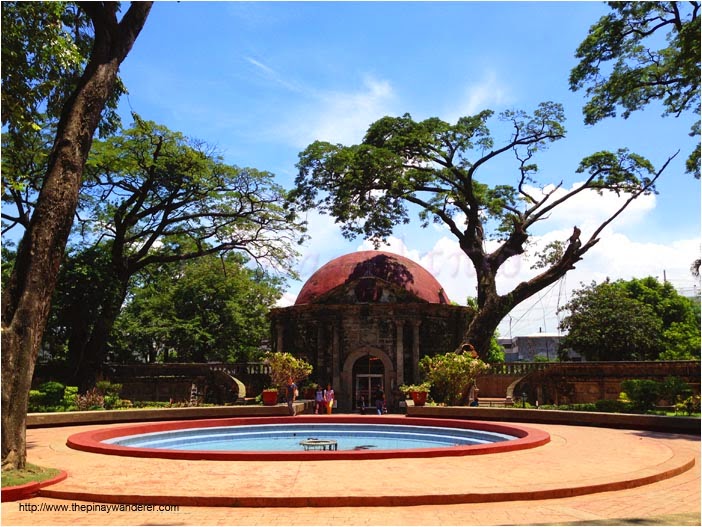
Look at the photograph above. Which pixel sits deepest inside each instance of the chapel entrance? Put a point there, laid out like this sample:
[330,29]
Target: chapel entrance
[368,373]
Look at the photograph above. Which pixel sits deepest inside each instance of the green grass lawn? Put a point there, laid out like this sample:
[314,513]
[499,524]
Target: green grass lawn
[30,474]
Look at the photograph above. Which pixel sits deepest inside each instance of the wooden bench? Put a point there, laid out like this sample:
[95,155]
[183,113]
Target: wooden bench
[495,402]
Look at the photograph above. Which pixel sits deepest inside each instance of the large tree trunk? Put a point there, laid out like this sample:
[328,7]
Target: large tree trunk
[492,308]
[93,351]
[27,298]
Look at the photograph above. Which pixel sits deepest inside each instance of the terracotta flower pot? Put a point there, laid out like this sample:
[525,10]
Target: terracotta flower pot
[270,397]
[419,398]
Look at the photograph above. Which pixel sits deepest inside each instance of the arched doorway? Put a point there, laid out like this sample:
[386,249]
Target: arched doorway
[368,375]
[362,364]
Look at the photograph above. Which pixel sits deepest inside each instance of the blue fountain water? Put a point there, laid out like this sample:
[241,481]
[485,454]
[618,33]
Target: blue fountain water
[287,437]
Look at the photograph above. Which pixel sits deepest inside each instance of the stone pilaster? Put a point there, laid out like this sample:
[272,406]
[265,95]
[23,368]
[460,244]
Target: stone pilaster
[400,352]
[415,350]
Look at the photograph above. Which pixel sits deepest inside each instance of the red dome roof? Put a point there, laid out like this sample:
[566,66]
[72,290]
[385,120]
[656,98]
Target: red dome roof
[359,266]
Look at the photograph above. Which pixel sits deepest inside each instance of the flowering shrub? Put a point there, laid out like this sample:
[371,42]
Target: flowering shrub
[451,375]
[284,365]
[90,400]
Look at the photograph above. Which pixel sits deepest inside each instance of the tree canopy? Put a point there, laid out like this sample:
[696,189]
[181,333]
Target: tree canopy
[45,49]
[152,196]
[639,319]
[210,309]
[620,66]
[437,166]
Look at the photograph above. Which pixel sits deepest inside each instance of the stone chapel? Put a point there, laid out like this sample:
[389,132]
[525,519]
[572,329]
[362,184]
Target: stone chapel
[364,320]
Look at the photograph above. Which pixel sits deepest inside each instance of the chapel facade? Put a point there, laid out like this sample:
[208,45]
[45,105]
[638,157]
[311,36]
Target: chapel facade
[364,320]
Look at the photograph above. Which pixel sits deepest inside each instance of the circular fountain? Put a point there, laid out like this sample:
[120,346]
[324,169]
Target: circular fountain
[353,437]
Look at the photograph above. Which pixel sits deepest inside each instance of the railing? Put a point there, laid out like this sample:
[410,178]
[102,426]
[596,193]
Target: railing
[517,368]
[681,368]
[239,369]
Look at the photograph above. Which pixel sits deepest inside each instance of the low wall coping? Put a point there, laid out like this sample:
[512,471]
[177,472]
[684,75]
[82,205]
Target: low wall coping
[41,420]
[659,423]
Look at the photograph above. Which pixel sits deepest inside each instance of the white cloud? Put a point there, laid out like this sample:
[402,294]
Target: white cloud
[588,209]
[487,93]
[272,75]
[343,116]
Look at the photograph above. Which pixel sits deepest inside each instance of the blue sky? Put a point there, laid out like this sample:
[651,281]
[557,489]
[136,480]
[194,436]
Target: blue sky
[263,80]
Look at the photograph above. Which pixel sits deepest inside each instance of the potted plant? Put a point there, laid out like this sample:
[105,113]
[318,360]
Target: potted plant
[284,366]
[452,374]
[269,396]
[418,392]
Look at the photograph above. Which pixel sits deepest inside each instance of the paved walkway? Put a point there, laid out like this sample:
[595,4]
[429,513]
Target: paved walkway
[587,472]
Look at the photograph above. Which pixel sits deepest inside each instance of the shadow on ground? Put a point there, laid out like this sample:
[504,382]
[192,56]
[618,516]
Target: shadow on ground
[669,519]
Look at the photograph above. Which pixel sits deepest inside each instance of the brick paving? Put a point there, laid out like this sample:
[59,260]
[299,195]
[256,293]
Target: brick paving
[577,460]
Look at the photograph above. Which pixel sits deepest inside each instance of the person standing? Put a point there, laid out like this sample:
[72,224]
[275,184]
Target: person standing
[291,395]
[329,398]
[319,403]
[380,400]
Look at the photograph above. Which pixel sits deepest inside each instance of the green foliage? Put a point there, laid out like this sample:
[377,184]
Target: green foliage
[8,261]
[80,292]
[603,405]
[443,170]
[30,474]
[451,375]
[53,392]
[612,406]
[285,366]
[45,48]
[643,393]
[409,388]
[674,388]
[36,401]
[639,319]
[581,407]
[110,393]
[52,396]
[426,163]
[152,201]
[69,397]
[690,405]
[152,184]
[210,309]
[620,67]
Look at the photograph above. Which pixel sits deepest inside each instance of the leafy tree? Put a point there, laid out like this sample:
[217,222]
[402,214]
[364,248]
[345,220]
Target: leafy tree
[23,167]
[639,73]
[639,319]
[157,197]
[203,310]
[8,259]
[679,315]
[606,324]
[76,301]
[26,299]
[434,165]
[45,48]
